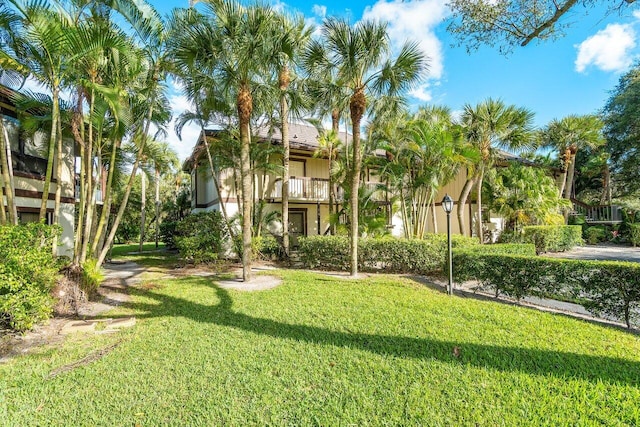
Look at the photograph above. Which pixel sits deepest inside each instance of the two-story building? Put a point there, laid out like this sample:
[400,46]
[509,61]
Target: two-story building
[29,163]
[308,187]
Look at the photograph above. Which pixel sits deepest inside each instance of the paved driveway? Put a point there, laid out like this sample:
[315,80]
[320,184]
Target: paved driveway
[602,252]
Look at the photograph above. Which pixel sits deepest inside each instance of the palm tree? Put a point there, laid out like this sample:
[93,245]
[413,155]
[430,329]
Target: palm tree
[487,126]
[45,55]
[360,55]
[149,103]
[328,99]
[290,35]
[567,136]
[235,48]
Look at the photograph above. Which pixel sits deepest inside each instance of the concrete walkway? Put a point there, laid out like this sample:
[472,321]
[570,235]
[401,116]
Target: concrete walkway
[604,252]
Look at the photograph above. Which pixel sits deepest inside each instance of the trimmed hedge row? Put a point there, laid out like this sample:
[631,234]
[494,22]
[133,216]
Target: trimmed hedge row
[387,254]
[28,273]
[606,287]
[635,234]
[553,238]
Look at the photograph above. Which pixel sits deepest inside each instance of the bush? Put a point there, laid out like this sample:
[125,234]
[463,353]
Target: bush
[610,288]
[553,238]
[634,234]
[200,237]
[91,277]
[267,247]
[168,231]
[28,272]
[595,235]
[386,254]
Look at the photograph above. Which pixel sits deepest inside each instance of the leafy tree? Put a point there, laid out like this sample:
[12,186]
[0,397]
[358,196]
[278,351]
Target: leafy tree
[510,23]
[524,195]
[620,115]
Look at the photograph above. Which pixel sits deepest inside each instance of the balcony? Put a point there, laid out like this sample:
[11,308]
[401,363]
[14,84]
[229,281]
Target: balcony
[316,190]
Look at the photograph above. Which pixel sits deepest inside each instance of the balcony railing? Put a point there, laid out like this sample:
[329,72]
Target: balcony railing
[304,188]
[605,214]
[317,189]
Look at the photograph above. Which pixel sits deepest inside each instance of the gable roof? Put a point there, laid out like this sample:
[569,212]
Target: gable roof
[302,137]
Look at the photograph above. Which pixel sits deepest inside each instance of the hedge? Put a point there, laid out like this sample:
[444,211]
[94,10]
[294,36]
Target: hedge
[28,273]
[635,234]
[199,237]
[553,238]
[607,287]
[386,254]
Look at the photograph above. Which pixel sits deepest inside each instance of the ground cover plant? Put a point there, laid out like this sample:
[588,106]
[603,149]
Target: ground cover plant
[325,351]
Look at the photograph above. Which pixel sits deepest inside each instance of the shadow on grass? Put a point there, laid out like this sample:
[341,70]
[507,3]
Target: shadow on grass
[503,358]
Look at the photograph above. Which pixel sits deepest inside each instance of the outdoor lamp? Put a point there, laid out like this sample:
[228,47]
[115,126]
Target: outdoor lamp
[447,205]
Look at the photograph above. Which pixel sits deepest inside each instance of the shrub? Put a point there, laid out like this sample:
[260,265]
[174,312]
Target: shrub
[386,254]
[553,238]
[267,247]
[200,237]
[634,234]
[168,231]
[595,235]
[28,272]
[91,277]
[611,288]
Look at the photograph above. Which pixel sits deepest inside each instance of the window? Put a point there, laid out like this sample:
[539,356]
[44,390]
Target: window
[24,154]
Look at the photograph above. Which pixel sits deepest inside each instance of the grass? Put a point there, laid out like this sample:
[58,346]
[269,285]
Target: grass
[127,248]
[323,351]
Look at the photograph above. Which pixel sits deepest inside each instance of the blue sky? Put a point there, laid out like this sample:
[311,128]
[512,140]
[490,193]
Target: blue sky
[571,75]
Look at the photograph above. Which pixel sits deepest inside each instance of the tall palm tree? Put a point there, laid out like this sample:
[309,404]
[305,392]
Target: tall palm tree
[149,103]
[360,54]
[45,56]
[289,38]
[488,126]
[235,47]
[567,136]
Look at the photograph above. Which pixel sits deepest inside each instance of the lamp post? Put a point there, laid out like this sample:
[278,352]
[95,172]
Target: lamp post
[447,205]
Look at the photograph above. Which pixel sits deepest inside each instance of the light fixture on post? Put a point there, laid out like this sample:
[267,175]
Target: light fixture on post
[447,205]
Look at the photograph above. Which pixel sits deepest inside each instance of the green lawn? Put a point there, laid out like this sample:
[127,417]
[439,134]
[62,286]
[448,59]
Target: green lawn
[324,351]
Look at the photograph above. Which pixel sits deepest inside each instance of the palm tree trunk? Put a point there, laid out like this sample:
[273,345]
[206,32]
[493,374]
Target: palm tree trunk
[462,201]
[59,160]
[570,175]
[357,106]
[333,205]
[77,127]
[479,204]
[127,192]
[433,215]
[245,107]
[55,116]
[90,186]
[157,204]
[7,177]
[106,207]
[284,117]
[143,207]
[563,183]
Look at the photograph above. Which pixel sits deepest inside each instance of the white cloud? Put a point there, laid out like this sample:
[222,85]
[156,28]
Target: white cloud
[421,93]
[414,21]
[608,49]
[190,132]
[319,10]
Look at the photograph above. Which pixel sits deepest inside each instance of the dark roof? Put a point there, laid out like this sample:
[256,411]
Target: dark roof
[301,137]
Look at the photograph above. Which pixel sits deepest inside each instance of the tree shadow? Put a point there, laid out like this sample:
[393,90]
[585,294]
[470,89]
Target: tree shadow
[560,364]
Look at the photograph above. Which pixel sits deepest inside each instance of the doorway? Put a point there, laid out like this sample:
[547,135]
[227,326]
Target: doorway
[297,226]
